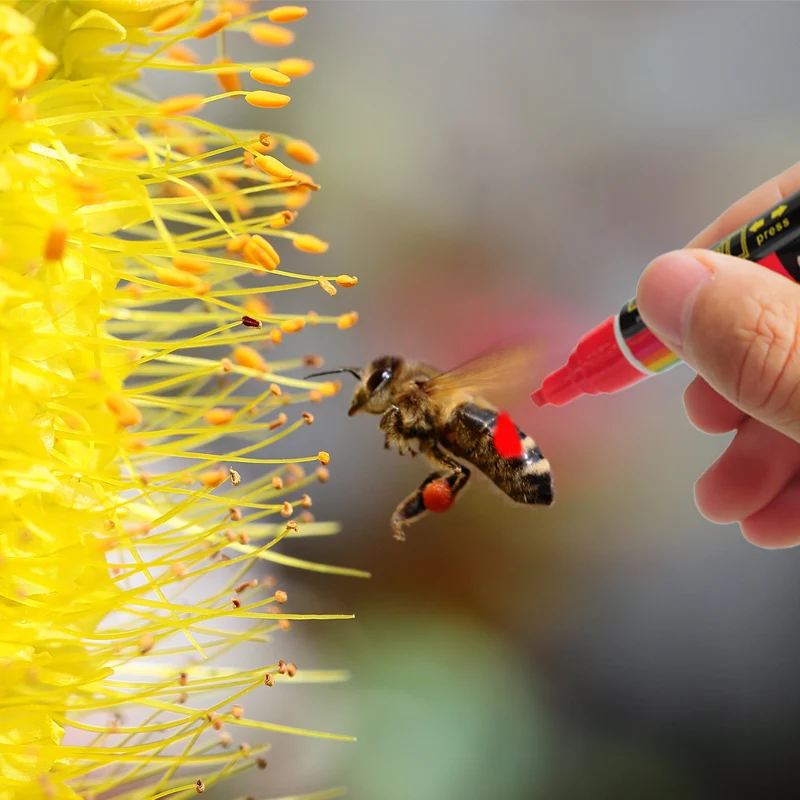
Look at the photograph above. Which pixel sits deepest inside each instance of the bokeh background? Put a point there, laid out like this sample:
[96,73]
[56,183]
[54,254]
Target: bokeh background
[496,169]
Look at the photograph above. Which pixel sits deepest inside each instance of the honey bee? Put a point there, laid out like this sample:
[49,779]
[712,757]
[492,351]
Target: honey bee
[447,417]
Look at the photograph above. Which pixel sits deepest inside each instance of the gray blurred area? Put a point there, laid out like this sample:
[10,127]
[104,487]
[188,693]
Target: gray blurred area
[499,168]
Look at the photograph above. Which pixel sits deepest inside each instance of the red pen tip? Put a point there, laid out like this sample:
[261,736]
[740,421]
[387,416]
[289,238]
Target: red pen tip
[539,398]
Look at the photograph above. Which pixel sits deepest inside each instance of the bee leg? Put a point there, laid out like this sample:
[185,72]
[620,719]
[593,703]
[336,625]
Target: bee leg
[413,507]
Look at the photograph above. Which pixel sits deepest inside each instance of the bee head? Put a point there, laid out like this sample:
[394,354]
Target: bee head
[373,395]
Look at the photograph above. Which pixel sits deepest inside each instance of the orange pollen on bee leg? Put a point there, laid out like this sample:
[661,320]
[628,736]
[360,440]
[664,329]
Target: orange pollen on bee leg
[310,244]
[271,166]
[212,26]
[261,99]
[270,77]
[228,79]
[181,104]
[287,14]
[171,17]
[271,35]
[126,412]
[301,151]
[56,241]
[437,496]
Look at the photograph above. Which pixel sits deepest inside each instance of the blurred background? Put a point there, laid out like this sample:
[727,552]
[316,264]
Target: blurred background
[496,169]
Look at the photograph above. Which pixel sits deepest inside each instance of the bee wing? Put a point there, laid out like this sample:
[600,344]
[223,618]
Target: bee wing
[493,375]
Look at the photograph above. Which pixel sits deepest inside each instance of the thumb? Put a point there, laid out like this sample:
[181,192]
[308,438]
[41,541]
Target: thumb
[736,323]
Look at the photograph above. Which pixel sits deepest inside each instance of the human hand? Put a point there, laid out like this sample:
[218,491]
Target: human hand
[737,324]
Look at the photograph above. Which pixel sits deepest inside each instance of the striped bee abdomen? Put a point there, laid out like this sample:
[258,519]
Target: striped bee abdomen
[469,434]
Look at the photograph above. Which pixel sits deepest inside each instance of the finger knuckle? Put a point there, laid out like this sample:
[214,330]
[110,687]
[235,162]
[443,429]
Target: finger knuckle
[770,363]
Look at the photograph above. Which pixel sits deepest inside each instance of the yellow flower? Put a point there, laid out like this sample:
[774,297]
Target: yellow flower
[140,390]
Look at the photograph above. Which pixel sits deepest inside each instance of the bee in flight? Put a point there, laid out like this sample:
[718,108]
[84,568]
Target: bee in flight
[449,419]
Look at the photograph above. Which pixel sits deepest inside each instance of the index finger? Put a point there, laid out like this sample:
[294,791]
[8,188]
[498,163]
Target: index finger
[742,211]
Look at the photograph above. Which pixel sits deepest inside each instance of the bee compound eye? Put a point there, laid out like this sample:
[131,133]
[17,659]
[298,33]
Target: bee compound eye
[377,378]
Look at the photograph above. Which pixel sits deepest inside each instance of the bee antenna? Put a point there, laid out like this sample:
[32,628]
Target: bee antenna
[355,371]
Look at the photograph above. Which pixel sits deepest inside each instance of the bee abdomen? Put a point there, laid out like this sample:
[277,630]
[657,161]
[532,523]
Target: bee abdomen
[469,434]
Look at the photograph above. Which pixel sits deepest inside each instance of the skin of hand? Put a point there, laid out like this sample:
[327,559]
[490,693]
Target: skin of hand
[737,324]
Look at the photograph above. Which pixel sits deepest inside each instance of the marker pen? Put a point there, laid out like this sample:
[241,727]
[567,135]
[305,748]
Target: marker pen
[622,351]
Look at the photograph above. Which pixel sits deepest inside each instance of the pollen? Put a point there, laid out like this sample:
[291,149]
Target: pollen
[295,67]
[315,396]
[281,597]
[213,477]
[293,325]
[271,35]
[126,412]
[262,99]
[126,149]
[328,286]
[146,643]
[330,388]
[212,26]
[310,244]
[190,264]
[245,585]
[227,364]
[219,416]
[287,510]
[56,241]
[346,321]
[281,419]
[235,477]
[237,712]
[269,679]
[276,336]
[270,77]
[171,18]
[282,219]
[180,52]
[266,248]
[324,458]
[287,14]
[312,360]
[284,624]
[228,79]
[235,514]
[257,306]
[236,245]
[275,390]
[236,8]
[346,281]
[177,278]
[308,417]
[277,483]
[305,501]
[302,152]
[272,166]
[199,786]
[246,356]
[181,104]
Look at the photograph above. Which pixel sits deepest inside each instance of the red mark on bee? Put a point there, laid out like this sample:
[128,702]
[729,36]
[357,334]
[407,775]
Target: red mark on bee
[506,437]
[437,497]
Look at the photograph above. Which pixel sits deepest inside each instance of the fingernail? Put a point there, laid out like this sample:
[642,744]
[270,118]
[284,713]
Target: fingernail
[666,293]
